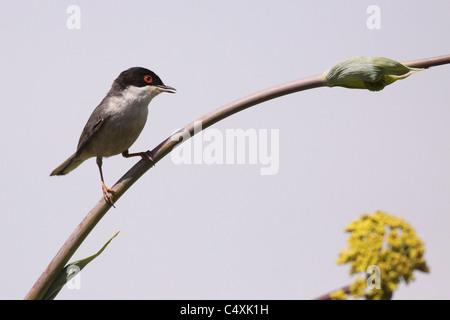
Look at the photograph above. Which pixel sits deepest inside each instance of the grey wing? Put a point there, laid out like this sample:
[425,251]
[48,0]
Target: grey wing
[94,123]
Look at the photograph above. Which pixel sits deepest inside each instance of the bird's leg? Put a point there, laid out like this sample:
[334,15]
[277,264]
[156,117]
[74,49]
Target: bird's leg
[145,155]
[107,193]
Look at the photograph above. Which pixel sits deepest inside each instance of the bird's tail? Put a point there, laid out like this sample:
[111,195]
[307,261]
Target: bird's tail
[67,166]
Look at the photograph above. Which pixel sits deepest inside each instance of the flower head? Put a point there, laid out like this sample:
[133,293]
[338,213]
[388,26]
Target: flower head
[390,244]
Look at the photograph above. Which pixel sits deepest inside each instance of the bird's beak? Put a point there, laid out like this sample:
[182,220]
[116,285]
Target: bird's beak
[164,88]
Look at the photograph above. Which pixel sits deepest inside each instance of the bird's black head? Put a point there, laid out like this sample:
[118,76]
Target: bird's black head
[140,77]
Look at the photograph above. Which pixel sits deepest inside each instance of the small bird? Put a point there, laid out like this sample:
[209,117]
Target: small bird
[117,122]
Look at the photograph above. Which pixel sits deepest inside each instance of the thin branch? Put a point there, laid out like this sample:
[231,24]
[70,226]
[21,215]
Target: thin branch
[96,214]
[327,296]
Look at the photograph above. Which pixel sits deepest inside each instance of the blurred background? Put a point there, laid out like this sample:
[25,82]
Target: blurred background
[222,231]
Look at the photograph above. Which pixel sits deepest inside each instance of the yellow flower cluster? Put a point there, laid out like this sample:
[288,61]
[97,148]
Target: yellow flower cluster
[387,243]
[339,295]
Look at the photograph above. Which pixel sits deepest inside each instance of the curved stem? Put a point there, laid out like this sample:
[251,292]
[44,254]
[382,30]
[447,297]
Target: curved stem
[126,181]
[229,109]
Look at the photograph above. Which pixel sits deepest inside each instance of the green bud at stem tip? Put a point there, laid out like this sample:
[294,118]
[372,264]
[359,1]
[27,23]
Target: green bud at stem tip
[373,73]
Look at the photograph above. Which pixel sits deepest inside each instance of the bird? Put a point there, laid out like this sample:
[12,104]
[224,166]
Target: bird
[116,123]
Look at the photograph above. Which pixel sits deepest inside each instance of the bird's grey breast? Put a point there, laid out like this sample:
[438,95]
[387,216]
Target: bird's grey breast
[124,120]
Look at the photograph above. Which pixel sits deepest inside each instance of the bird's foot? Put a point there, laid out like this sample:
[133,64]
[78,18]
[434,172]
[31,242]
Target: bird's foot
[107,194]
[148,155]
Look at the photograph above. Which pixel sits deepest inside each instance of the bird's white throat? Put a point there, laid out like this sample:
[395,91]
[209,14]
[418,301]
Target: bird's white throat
[140,95]
[132,98]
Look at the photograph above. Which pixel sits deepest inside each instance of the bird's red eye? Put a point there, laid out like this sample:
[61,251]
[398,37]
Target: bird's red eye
[148,79]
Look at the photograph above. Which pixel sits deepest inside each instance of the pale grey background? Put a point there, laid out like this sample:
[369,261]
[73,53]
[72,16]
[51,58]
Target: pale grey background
[222,231]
